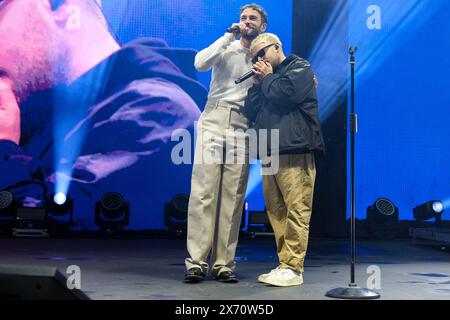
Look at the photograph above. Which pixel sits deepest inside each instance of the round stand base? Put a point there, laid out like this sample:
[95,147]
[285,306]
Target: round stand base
[353,293]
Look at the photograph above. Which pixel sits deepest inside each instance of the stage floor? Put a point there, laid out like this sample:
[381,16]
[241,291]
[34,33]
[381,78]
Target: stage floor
[154,268]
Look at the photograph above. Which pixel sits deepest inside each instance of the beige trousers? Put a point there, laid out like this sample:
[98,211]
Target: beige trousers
[289,196]
[218,186]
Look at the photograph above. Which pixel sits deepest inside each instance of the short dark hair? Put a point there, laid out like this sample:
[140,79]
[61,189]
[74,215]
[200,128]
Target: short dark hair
[258,9]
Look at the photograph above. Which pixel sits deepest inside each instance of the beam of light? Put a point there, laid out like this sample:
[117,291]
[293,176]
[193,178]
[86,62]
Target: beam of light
[347,25]
[328,59]
[446,204]
[71,106]
[342,29]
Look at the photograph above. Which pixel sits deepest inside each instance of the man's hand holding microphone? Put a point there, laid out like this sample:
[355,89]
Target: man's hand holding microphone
[261,69]
[236,28]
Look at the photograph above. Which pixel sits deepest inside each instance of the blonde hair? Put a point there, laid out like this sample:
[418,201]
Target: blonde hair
[265,38]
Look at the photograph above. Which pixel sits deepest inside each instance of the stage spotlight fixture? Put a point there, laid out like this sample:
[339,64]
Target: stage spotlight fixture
[175,214]
[428,210]
[8,211]
[8,205]
[382,211]
[58,206]
[112,211]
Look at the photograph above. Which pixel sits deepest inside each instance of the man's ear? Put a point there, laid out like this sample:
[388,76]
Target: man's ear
[263,27]
[66,15]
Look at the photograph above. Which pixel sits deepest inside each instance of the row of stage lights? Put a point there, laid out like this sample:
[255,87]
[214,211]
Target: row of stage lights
[112,212]
[383,211]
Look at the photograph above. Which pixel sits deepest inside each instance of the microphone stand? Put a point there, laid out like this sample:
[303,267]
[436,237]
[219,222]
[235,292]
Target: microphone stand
[352,291]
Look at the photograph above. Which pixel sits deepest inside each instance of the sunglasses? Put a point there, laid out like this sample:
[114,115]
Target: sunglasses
[261,53]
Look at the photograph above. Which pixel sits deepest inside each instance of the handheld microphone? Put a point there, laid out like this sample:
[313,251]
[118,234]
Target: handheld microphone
[234,30]
[244,77]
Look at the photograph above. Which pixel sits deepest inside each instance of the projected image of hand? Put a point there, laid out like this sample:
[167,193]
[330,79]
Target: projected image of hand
[9,113]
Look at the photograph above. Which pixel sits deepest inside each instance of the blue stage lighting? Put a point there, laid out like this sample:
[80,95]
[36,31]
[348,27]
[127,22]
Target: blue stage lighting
[328,59]
[446,204]
[437,207]
[112,211]
[428,210]
[60,198]
[69,112]
[382,211]
[60,207]
[8,209]
[175,214]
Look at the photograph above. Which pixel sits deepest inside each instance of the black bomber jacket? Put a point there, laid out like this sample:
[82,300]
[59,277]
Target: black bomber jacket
[287,100]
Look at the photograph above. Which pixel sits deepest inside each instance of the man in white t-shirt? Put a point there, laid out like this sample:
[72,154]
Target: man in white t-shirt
[219,177]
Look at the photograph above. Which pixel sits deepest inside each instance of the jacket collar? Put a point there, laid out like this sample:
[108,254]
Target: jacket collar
[286,62]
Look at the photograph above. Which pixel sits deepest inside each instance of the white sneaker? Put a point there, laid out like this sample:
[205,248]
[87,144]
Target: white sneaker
[265,275]
[284,278]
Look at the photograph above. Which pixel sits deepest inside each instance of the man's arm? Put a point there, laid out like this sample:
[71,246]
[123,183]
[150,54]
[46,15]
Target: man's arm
[253,102]
[205,59]
[293,86]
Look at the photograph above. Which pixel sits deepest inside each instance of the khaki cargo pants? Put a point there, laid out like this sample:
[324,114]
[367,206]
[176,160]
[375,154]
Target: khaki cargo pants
[289,197]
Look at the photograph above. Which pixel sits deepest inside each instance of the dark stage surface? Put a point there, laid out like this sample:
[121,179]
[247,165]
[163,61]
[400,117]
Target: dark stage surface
[153,268]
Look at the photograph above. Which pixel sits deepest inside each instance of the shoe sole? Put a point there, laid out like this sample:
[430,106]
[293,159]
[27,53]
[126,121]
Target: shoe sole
[193,279]
[232,280]
[229,280]
[264,276]
[282,283]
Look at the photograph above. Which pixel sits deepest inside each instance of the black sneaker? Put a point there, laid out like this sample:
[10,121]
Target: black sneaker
[194,275]
[227,277]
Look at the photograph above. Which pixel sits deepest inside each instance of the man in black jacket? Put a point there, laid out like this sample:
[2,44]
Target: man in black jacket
[285,98]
